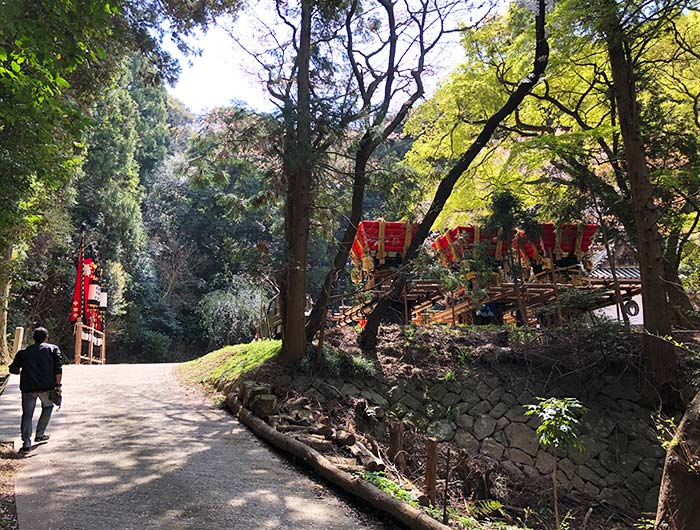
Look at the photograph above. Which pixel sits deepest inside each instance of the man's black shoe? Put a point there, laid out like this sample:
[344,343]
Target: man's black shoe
[24,450]
[44,438]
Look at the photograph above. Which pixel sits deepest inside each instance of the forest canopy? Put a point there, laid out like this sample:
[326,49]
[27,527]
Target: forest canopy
[192,217]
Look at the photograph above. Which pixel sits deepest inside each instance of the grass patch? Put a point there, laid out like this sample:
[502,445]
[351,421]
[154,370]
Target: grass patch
[450,375]
[338,363]
[229,363]
[379,479]
[467,521]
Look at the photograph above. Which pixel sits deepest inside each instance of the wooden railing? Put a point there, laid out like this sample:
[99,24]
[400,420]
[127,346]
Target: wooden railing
[92,334]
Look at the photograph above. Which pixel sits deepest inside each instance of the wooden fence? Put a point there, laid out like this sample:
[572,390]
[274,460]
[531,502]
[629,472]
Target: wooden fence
[90,335]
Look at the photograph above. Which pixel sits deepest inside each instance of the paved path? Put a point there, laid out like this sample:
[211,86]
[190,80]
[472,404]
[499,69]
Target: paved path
[131,449]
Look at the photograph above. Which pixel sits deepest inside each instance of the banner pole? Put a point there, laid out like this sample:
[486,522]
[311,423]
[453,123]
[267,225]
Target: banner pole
[78,341]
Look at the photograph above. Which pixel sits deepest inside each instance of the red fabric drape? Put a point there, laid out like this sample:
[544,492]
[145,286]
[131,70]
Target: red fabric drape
[75,311]
[92,317]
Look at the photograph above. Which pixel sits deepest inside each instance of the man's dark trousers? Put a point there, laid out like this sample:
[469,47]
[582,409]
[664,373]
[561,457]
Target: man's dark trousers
[28,406]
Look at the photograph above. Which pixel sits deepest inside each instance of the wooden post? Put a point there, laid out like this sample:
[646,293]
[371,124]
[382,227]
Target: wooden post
[516,287]
[406,316]
[613,270]
[431,448]
[445,518]
[103,349]
[395,439]
[91,345]
[321,336]
[395,453]
[19,339]
[560,318]
[78,341]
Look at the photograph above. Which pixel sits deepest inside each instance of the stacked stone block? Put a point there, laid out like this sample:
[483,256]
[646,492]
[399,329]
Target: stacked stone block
[620,461]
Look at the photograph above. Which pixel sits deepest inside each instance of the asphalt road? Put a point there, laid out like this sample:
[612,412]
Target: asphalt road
[132,449]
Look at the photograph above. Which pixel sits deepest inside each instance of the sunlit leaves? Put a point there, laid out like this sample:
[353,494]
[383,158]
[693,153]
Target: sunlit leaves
[559,421]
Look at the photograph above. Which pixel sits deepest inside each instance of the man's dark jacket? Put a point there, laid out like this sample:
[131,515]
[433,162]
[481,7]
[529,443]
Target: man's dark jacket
[39,364]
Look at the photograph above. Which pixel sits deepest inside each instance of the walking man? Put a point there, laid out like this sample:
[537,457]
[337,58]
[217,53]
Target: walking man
[39,366]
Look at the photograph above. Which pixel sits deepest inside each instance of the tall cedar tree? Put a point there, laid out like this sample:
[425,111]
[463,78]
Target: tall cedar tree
[660,354]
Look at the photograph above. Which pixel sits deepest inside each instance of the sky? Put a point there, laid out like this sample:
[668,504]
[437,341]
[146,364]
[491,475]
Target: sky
[217,76]
[223,73]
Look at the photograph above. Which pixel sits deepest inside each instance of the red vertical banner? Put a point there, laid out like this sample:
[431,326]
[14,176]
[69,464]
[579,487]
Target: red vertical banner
[75,310]
[91,314]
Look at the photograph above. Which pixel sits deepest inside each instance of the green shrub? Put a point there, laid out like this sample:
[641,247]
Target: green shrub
[339,363]
[462,355]
[559,421]
[379,479]
[155,345]
[232,315]
[449,376]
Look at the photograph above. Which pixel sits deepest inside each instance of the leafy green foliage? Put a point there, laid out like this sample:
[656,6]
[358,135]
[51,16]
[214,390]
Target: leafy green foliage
[37,58]
[469,520]
[57,57]
[449,376]
[230,316]
[476,516]
[667,434]
[156,345]
[561,150]
[644,523]
[339,363]
[485,508]
[559,420]
[409,332]
[169,248]
[379,479]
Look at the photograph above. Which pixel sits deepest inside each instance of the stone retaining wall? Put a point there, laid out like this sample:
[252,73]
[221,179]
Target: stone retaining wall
[621,460]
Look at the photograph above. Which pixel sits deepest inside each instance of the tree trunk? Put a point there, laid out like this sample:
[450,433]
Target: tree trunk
[682,308]
[679,497]
[298,165]
[358,196]
[660,354]
[444,190]
[378,130]
[613,269]
[5,284]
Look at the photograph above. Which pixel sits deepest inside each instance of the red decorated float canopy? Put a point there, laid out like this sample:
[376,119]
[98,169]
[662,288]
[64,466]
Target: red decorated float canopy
[568,239]
[381,239]
[457,242]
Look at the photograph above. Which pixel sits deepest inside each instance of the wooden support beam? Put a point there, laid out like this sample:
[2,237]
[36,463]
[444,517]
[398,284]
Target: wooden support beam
[78,341]
[103,349]
[431,448]
[406,315]
[396,453]
[91,345]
